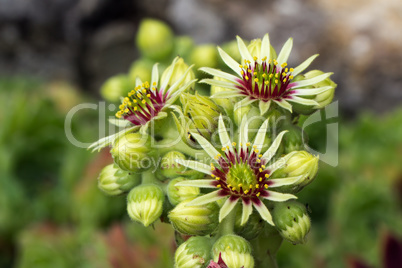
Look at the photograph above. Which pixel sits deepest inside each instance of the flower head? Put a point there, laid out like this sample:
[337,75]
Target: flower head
[240,172]
[264,79]
[147,102]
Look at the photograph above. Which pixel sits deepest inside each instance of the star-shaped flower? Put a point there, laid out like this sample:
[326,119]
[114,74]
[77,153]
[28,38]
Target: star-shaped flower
[241,172]
[146,103]
[266,80]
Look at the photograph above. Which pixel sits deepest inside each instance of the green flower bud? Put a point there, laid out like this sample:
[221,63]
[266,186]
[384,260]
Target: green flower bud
[195,220]
[235,251]
[141,68]
[252,228]
[169,167]
[114,181]
[293,140]
[194,253]
[202,113]
[177,194]
[145,203]
[301,163]
[130,151]
[227,104]
[183,46]
[155,39]
[323,98]
[178,69]
[205,56]
[292,221]
[115,87]
[255,49]
[232,49]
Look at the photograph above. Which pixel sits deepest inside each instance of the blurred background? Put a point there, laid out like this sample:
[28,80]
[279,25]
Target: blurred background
[55,54]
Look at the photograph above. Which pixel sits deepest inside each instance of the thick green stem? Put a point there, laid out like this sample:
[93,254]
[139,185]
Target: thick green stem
[148,177]
[227,224]
[266,245]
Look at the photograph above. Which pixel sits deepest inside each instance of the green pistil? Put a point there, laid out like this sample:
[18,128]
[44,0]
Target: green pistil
[241,176]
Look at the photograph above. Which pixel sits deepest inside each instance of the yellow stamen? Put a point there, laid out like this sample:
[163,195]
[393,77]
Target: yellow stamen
[258,194]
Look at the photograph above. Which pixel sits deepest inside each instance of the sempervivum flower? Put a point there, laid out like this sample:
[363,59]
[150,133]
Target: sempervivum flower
[240,172]
[147,103]
[264,79]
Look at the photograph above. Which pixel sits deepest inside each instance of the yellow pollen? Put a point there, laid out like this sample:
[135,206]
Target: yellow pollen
[249,70]
[126,110]
[266,83]
[266,175]
[217,178]
[234,189]
[242,72]
[284,65]
[260,169]
[212,175]
[255,146]
[144,91]
[245,61]
[148,95]
[260,155]
[255,73]
[223,149]
[248,144]
[251,186]
[291,70]
[135,108]
[247,78]
[258,194]
[256,80]
[139,95]
[212,168]
[255,58]
[276,75]
[264,75]
[271,75]
[284,80]
[240,185]
[135,101]
[269,61]
[266,186]
[291,77]
[276,81]
[246,191]
[219,186]
[262,166]
[229,185]
[260,179]
[265,58]
[283,74]
[143,101]
[233,143]
[256,151]
[241,144]
[258,161]
[241,66]
[257,186]
[286,70]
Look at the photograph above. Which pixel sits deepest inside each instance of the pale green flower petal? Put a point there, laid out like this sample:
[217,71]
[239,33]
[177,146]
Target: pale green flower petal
[245,54]
[244,102]
[304,65]
[219,73]
[243,134]
[285,51]
[219,83]
[265,47]
[302,101]
[205,199]
[208,147]
[119,122]
[264,106]
[197,183]
[106,141]
[264,212]
[138,82]
[284,104]
[312,81]
[195,165]
[284,181]
[260,137]
[247,210]
[274,147]
[226,94]
[154,77]
[310,91]
[280,162]
[178,82]
[223,134]
[279,197]
[227,208]
[229,61]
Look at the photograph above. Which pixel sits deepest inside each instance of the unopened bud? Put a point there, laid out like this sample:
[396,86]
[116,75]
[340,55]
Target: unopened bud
[235,251]
[292,221]
[169,166]
[114,181]
[195,220]
[175,72]
[301,163]
[194,253]
[293,140]
[252,228]
[202,113]
[155,39]
[130,151]
[183,45]
[255,49]
[115,87]
[145,203]
[177,194]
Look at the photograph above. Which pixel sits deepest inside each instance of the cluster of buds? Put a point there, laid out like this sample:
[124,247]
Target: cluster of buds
[222,168]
